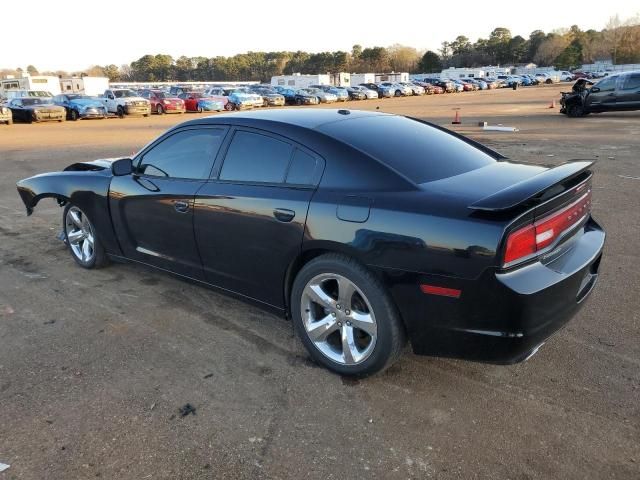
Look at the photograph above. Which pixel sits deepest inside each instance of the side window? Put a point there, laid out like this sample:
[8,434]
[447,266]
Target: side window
[302,169]
[632,82]
[607,85]
[252,157]
[186,154]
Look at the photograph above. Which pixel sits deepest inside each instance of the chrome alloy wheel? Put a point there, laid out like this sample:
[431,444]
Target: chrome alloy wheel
[338,319]
[80,235]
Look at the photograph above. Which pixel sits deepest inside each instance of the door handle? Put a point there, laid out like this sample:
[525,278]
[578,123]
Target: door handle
[284,214]
[181,206]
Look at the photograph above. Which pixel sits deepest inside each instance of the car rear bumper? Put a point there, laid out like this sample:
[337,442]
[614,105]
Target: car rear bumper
[500,317]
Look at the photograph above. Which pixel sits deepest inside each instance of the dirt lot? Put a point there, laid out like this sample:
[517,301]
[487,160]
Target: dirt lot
[95,364]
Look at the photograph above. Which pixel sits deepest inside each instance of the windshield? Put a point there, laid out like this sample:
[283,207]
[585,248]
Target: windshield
[35,101]
[124,93]
[79,97]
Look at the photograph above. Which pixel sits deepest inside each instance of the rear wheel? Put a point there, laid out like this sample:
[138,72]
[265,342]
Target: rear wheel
[84,245]
[398,93]
[73,115]
[120,112]
[344,316]
[159,109]
[298,101]
[228,106]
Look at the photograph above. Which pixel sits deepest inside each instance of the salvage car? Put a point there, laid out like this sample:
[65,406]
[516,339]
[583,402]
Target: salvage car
[363,228]
[80,106]
[323,97]
[6,116]
[382,91]
[356,94]
[415,88]
[163,102]
[367,91]
[398,89]
[340,94]
[199,102]
[36,109]
[270,97]
[618,92]
[124,101]
[238,100]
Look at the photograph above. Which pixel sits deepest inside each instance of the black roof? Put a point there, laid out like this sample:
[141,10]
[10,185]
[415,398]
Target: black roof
[305,118]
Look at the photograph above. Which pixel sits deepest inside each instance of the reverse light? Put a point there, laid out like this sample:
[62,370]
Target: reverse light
[536,237]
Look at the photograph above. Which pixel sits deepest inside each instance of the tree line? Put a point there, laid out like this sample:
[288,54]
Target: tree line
[567,48]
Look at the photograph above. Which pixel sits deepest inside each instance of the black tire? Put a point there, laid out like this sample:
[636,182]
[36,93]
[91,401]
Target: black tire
[120,111]
[575,111]
[228,106]
[548,81]
[298,101]
[199,109]
[10,121]
[159,109]
[398,93]
[73,115]
[390,337]
[99,259]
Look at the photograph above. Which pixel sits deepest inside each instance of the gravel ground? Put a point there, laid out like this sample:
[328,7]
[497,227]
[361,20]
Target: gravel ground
[94,365]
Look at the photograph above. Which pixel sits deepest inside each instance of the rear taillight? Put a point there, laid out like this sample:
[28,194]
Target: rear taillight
[537,236]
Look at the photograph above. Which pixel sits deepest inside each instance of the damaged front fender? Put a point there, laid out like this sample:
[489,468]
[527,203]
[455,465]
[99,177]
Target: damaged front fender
[83,185]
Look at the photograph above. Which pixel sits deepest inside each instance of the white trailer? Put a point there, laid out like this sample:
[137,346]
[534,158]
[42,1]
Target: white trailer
[358,78]
[45,83]
[456,73]
[298,80]
[93,86]
[392,77]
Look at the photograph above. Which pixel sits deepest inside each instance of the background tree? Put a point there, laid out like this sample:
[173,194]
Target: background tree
[31,70]
[429,63]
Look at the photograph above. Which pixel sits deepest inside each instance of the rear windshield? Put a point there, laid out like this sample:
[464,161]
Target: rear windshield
[418,151]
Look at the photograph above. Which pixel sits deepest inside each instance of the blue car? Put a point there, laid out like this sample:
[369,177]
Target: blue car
[81,106]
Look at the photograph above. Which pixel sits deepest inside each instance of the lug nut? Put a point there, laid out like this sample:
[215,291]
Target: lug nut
[347,312]
[333,313]
[338,306]
[339,324]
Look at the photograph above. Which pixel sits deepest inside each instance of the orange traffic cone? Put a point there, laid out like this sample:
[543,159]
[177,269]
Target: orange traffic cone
[456,120]
[552,104]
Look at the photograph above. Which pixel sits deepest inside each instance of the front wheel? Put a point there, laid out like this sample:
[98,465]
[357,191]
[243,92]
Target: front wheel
[575,111]
[84,245]
[120,112]
[159,109]
[73,114]
[344,316]
[228,106]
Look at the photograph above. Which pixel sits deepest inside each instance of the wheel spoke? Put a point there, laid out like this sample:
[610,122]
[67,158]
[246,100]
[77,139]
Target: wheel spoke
[75,236]
[75,218]
[364,322]
[320,330]
[90,240]
[350,353]
[86,251]
[318,295]
[346,289]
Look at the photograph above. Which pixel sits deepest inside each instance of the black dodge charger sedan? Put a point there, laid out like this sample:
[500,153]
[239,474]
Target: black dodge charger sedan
[364,228]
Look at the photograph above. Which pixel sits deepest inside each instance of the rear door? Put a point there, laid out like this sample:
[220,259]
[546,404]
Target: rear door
[152,209]
[250,218]
[628,96]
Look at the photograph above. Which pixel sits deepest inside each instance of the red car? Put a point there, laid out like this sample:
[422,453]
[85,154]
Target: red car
[162,102]
[199,102]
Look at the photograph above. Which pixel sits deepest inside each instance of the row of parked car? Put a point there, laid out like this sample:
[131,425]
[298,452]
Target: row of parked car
[36,106]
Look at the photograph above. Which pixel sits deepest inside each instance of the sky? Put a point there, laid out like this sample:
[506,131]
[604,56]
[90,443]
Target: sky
[74,38]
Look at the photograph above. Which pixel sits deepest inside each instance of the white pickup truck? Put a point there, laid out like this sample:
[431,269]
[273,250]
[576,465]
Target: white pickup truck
[123,101]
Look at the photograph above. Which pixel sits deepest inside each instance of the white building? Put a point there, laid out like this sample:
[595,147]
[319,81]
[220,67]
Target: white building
[46,83]
[358,78]
[85,85]
[298,80]
[456,73]
[607,66]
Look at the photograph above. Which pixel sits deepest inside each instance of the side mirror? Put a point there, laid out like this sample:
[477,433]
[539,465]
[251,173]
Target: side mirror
[595,89]
[122,167]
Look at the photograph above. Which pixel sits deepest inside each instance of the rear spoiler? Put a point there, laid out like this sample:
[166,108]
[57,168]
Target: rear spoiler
[515,195]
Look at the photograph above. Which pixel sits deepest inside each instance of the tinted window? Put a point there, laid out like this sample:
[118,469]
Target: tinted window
[256,158]
[632,82]
[420,152]
[186,154]
[607,85]
[302,168]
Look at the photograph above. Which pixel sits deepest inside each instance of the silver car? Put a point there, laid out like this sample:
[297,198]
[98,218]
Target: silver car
[323,97]
[398,89]
[367,91]
[416,89]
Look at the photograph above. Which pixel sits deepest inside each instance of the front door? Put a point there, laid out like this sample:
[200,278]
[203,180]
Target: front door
[250,219]
[603,95]
[152,209]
